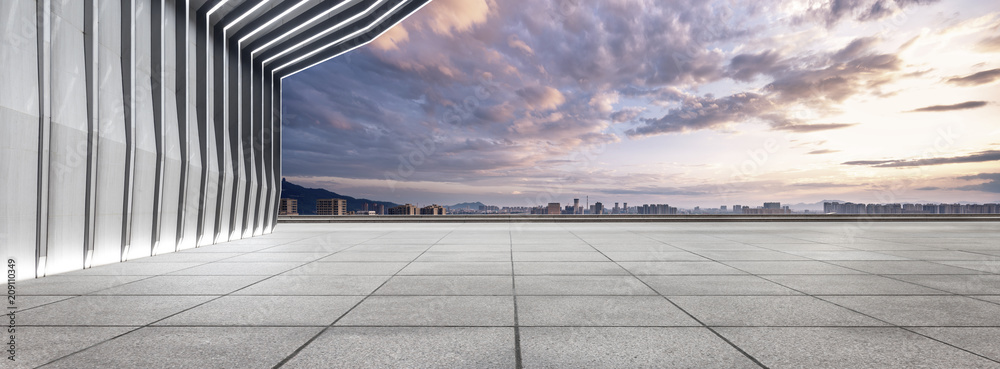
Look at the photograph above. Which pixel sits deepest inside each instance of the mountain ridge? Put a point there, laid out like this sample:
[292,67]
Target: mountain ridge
[307,198]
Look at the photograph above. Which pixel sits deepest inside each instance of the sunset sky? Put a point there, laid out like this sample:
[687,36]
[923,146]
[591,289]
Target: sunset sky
[524,102]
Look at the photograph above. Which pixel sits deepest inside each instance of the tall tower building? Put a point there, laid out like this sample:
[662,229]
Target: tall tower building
[576,206]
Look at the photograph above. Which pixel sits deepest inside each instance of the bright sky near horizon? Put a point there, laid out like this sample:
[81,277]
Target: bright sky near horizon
[523,102]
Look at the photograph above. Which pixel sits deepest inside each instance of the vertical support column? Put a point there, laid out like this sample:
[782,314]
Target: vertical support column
[258,150]
[267,104]
[203,101]
[44,19]
[157,23]
[182,16]
[128,96]
[247,142]
[91,49]
[221,129]
[276,147]
[235,134]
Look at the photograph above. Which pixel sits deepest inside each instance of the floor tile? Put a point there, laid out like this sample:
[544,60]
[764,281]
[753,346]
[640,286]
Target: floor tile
[850,285]
[266,311]
[790,267]
[457,268]
[347,268]
[924,310]
[417,347]
[324,285]
[652,311]
[432,311]
[183,285]
[678,268]
[194,347]
[39,345]
[568,268]
[109,310]
[580,285]
[849,348]
[769,311]
[447,285]
[980,340]
[679,285]
[627,347]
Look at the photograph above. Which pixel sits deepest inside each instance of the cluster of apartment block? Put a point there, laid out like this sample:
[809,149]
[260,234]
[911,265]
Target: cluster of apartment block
[853,208]
[409,209]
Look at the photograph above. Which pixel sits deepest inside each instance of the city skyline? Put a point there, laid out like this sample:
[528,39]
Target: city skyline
[687,102]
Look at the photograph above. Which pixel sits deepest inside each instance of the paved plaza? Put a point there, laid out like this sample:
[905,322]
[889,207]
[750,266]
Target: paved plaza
[535,295]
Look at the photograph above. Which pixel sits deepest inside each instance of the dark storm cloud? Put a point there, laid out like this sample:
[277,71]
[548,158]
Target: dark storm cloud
[982,156]
[815,127]
[961,106]
[705,113]
[861,10]
[818,82]
[855,48]
[823,151]
[976,79]
[626,115]
[745,67]
[992,184]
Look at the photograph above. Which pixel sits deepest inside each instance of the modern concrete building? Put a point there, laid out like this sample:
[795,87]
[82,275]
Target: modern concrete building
[288,207]
[403,210]
[432,210]
[331,207]
[140,127]
[553,208]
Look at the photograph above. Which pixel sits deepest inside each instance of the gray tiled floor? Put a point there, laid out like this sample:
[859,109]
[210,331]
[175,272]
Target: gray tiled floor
[511,295]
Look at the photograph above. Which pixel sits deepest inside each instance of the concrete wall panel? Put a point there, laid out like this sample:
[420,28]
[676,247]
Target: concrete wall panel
[111,151]
[18,133]
[135,127]
[68,140]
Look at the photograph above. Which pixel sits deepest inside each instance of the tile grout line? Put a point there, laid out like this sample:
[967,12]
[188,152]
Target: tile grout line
[295,353]
[890,325]
[150,324]
[518,361]
[140,279]
[710,329]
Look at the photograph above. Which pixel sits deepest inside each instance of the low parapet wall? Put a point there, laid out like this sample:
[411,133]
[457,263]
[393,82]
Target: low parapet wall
[639,218]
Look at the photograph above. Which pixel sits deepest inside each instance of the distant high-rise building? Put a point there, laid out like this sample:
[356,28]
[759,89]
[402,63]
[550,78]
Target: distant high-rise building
[772,205]
[432,210]
[331,207]
[625,208]
[553,208]
[576,206]
[722,208]
[656,209]
[738,209]
[598,208]
[616,209]
[289,207]
[489,209]
[403,210]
